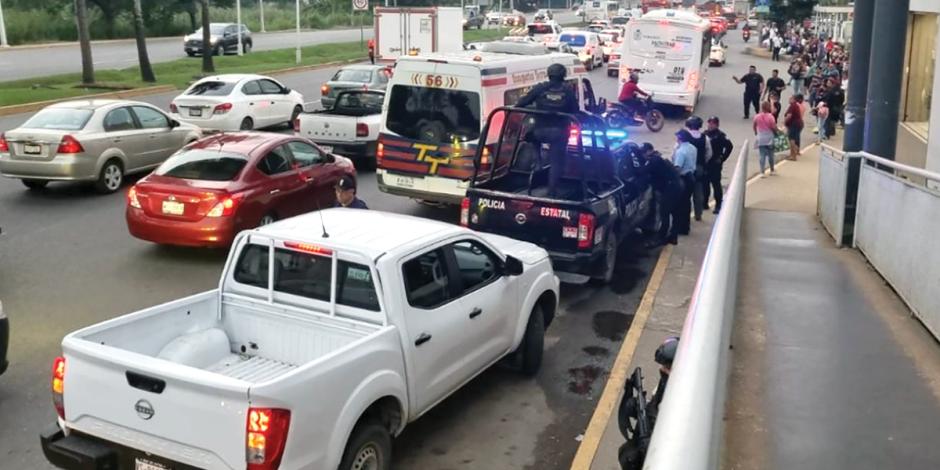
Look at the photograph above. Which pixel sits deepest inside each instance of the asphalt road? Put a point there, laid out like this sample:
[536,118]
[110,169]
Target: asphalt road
[58,59]
[66,261]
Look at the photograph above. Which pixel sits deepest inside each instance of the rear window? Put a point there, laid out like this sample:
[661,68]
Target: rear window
[540,29]
[210,165]
[211,89]
[308,275]
[574,40]
[61,119]
[434,114]
[359,102]
[353,75]
[619,20]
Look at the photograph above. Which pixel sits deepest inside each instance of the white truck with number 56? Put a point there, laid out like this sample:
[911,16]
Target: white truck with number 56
[325,338]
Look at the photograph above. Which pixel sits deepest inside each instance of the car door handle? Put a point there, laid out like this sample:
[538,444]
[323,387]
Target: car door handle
[251,104]
[115,140]
[423,338]
[475,313]
[274,191]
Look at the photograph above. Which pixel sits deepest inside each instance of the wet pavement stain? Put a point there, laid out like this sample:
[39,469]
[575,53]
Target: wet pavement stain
[583,378]
[596,351]
[626,279]
[611,325]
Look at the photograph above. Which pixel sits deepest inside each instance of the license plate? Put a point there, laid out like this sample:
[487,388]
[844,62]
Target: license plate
[32,149]
[195,112]
[404,181]
[173,207]
[569,232]
[327,148]
[143,464]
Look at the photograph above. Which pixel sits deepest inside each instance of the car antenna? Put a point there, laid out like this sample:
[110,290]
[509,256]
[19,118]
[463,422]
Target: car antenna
[322,224]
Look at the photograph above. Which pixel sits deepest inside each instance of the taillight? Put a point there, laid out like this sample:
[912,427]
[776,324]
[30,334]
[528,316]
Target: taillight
[585,230]
[574,134]
[174,109]
[693,80]
[132,198]
[379,153]
[69,144]
[362,130]
[222,108]
[266,436]
[58,385]
[225,207]
[297,124]
[465,212]
[325,90]
[4,146]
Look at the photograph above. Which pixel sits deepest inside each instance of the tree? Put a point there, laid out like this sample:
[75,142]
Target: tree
[84,40]
[146,71]
[109,12]
[207,66]
[783,10]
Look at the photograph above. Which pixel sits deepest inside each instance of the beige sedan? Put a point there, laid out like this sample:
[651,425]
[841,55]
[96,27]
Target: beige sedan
[98,141]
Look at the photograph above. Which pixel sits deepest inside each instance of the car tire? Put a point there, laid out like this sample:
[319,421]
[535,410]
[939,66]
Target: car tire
[267,219]
[293,115]
[35,185]
[111,177]
[369,447]
[533,342]
[219,50]
[191,54]
[246,47]
[247,124]
[610,259]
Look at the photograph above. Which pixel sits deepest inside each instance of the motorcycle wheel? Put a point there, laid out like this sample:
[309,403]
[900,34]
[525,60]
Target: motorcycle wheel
[616,119]
[655,120]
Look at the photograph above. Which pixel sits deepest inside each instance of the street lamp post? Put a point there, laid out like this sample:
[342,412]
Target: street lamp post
[3,29]
[297,54]
[238,23]
[261,11]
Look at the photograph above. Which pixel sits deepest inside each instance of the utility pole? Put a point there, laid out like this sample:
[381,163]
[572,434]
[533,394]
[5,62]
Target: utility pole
[885,77]
[238,24]
[3,29]
[84,40]
[297,54]
[261,10]
[858,71]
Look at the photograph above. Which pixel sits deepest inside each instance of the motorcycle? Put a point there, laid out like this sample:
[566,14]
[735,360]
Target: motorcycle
[619,117]
[746,34]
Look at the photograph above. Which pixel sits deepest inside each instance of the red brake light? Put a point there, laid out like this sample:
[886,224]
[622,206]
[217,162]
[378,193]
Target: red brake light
[362,130]
[58,385]
[379,153]
[297,124]
[585,230]
[224,208]
[132,198]
[70,145]
[573,134]
[309,248]
[465,212]
[266,436]
[325,90]
[174,109]
[222,108]
[4,146]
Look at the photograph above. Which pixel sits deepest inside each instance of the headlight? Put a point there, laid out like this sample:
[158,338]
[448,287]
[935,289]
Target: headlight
[213,39]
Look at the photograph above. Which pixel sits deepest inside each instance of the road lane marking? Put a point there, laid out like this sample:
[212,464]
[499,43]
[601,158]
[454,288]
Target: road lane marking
[619,372]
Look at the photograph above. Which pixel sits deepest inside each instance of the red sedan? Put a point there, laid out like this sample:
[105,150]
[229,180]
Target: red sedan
[213,188]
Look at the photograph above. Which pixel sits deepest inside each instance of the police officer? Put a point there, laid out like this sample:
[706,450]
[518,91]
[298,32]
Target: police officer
[703,153]
[554,96]
[721,150]
[346,194]
[665,180]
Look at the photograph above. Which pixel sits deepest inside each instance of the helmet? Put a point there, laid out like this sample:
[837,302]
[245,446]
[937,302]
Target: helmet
[694,123]
[634,77]
[666,352]
[557,72]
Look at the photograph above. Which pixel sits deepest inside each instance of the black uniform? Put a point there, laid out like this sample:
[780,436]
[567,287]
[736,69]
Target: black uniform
[721,150]
[559,97]
[752,83]
[835,99]
[665,180]
[699,201]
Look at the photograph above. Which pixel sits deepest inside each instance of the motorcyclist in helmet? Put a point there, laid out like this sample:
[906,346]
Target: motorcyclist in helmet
[664,356]
[554,96]
[629,95]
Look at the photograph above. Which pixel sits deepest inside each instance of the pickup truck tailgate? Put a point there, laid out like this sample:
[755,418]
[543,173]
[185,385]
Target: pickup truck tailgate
[328,127]
[553,225]
[180,414]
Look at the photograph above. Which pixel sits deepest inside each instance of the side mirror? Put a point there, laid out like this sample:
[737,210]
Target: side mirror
[512,266]
[174,123]
[285,90]
[329,158]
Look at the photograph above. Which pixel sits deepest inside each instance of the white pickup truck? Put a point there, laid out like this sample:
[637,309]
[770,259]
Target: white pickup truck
[324,339]
[349,128]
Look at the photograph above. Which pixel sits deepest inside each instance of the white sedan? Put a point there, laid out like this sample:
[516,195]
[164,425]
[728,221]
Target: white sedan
[237,102]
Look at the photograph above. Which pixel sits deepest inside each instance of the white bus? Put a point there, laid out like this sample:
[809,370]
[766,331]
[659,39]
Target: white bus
[669,50]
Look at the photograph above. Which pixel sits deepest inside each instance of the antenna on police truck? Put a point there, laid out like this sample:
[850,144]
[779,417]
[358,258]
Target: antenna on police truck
[322,224]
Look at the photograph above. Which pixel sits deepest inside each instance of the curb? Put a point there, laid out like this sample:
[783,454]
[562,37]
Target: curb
[302,68]
[36,105]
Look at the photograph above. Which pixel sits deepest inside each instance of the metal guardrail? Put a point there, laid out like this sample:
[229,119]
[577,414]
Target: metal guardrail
[689,426]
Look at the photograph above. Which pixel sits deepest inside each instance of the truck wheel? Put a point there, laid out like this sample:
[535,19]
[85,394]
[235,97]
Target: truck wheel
[533,342]
[610,259]
[369,448]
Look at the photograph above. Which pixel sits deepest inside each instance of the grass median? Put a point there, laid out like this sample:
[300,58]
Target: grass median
[181,72]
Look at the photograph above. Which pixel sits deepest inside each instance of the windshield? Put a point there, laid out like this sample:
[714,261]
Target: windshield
[353,75]
[540,29]
[308,275]
[61,119]
[214,29]
[209,165]
[574,40]
[211,89]
[434,114]
[619,20]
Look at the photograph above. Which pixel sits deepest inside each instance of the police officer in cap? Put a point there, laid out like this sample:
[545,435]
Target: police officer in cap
[666,182]
[554,96]
[346,194]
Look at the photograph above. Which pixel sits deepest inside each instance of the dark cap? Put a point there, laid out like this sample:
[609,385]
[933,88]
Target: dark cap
[346,183]
[647,147]
[684,135]
[714,119]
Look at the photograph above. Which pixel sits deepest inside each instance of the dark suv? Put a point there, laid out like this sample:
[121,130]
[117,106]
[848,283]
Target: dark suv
[223,39]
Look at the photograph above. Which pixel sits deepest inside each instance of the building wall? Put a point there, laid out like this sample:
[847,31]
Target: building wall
[912,149]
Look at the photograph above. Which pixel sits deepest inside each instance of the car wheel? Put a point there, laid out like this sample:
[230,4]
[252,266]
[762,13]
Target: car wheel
[246,47]
[191,54]
[246,125]
[533,342]
[219,50]
[610,259]
[35,185]
[267,219]
[293,115]
[111,177]
[369,448]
